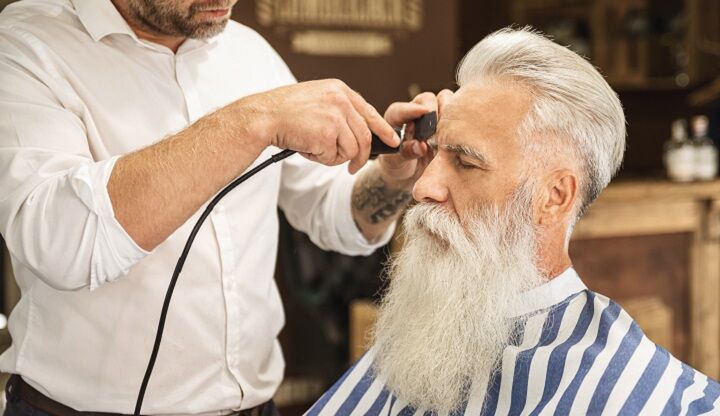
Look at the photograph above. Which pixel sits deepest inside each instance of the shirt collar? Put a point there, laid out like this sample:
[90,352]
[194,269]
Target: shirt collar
[551,293]
[101,18]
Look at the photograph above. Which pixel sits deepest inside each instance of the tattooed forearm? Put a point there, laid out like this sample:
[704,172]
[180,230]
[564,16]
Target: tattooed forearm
[376,201]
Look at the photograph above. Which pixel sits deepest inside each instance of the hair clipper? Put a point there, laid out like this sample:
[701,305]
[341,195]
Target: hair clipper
[425,127]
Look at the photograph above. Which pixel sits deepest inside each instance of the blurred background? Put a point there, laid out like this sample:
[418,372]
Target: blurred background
[651,242]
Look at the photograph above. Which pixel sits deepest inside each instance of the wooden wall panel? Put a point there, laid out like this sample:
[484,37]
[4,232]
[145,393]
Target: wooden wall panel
[628,269]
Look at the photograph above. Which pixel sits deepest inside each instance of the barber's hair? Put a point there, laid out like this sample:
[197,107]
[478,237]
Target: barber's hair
[571,102]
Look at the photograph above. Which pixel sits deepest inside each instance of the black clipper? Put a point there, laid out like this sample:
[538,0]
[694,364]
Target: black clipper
[424,129]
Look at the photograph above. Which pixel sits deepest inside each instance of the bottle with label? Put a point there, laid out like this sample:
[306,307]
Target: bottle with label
[706,154]
[680,156]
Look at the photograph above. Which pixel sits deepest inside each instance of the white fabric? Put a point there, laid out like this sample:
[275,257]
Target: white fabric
[77,90]
[551,293]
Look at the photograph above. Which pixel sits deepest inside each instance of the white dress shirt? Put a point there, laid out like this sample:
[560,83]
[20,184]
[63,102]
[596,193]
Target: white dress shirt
[77,90]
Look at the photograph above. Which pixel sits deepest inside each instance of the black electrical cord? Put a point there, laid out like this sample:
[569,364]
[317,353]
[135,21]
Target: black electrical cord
[181,261]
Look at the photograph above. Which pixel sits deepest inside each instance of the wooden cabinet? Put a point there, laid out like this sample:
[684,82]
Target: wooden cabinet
[654,246]
[638,44]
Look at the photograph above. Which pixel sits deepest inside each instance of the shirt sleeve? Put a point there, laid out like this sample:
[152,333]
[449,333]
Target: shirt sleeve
[316,201]
[316,198]
[55,212]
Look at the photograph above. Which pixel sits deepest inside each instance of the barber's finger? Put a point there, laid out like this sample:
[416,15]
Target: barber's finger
[413,149]
[375,122]
[399,113]
[405,112]
[444,98]
[429,154]
[428,100]
[363,139]
[347,146]
[423,162]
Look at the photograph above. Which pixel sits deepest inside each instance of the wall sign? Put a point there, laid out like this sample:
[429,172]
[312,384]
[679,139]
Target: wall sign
[341,27]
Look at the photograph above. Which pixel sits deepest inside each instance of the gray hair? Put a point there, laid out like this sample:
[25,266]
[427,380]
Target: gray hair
[571,101]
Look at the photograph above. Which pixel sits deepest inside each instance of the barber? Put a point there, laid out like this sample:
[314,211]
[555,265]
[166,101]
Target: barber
[119,120]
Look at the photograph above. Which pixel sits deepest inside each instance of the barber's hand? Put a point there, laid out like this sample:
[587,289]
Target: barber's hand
[325,121]
[404,168]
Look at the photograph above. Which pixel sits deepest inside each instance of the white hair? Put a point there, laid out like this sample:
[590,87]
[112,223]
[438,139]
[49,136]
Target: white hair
[572,102]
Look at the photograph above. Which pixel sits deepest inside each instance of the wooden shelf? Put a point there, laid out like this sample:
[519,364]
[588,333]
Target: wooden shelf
[646,189]
[634,63]
[647,207]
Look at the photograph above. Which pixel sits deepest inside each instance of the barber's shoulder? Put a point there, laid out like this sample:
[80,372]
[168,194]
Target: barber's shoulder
[36,12]
[29,29]
[38,24]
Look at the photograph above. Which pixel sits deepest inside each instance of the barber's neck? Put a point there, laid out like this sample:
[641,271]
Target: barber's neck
[169,41]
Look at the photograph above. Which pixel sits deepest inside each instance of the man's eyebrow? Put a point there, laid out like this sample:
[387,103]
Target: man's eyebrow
[467,151]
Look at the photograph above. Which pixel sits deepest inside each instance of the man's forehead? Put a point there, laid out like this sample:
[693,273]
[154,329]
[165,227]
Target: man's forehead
[488,106]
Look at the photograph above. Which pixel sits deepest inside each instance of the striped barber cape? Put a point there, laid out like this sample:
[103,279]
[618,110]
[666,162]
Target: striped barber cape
[579,353]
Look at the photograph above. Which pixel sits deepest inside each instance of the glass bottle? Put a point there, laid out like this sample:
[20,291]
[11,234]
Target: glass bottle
[680,154]
[706,154]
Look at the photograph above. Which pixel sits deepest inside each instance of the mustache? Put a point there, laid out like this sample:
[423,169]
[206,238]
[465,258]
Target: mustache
[432,218]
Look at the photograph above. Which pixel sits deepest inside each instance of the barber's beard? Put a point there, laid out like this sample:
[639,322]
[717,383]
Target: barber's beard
[450,307]
[165,17]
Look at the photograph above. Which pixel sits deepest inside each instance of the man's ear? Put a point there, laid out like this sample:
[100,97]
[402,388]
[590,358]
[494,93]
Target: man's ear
[560,192]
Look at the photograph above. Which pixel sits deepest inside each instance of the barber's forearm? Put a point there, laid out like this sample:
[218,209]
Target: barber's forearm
[377,202]
[156,189]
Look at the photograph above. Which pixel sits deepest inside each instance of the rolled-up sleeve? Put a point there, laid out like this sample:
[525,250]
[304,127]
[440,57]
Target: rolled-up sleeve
[316,200]
[113,251]
[55,212]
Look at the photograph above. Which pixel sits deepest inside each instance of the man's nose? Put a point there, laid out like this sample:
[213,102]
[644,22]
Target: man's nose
[431,187]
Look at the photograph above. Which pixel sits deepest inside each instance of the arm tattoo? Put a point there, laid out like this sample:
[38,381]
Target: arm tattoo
[377,201]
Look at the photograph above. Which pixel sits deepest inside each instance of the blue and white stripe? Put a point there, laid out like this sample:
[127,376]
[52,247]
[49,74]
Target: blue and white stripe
[582,356]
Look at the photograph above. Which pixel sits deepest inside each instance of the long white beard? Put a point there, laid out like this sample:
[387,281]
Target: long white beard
[449,309]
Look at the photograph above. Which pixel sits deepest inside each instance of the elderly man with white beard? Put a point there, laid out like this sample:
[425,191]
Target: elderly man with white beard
[484,313]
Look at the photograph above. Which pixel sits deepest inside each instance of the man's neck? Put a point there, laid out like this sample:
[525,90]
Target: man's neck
[553,256]
[169,41]
[552,268]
